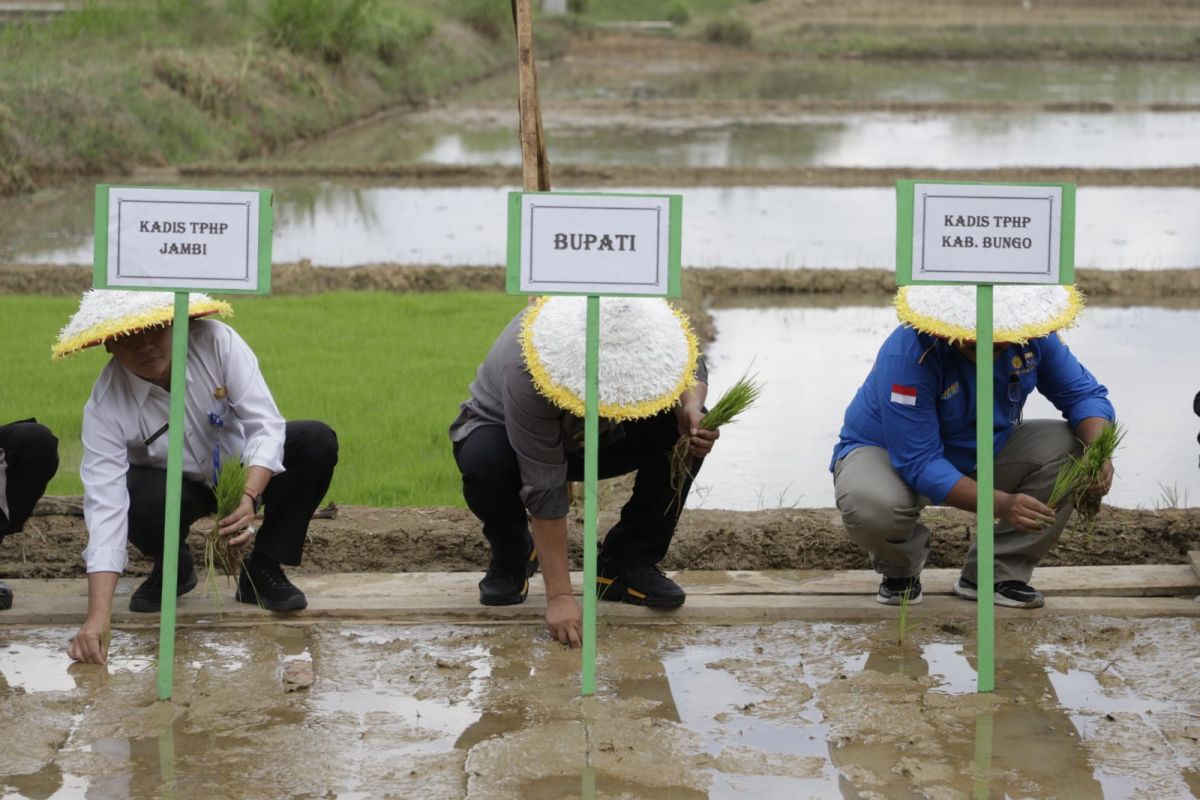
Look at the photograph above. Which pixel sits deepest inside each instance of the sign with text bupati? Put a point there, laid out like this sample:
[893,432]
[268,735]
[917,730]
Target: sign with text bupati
[216,240]
[594,244]
[983,233]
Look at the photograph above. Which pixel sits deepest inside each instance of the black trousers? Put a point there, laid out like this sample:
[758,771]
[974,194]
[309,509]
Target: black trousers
[492,487]
[31,456]
[310,452]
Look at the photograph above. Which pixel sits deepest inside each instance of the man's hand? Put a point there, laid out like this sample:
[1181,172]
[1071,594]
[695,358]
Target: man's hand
[239,520]
[1103,482]
[1023,512]
[701,440]
[564,619]
[90,645]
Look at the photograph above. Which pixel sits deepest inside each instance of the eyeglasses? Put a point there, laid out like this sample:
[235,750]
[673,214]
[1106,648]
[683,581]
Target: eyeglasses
[1016,396]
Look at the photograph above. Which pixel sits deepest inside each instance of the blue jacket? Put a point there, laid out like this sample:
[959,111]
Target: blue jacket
[919,403]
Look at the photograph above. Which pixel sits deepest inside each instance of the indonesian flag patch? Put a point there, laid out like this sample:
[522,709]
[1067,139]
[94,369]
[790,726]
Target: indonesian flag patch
[904,395]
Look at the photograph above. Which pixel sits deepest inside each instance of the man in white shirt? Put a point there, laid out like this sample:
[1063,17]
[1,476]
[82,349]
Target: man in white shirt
[28,460]
[228,413]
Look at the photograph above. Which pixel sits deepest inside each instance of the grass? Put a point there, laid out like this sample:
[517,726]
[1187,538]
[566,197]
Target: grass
[386,371]
[115,85]
[1150,42]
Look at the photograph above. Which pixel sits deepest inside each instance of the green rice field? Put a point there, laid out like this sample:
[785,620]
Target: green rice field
[386,371]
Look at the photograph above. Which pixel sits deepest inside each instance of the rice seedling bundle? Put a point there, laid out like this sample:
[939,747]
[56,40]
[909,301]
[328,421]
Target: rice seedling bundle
[1078,474]
[231,484]
[737,398]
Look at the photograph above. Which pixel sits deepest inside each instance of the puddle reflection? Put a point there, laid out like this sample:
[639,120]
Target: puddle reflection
[814,359]
[1083,708]
[945,141]
[349,224]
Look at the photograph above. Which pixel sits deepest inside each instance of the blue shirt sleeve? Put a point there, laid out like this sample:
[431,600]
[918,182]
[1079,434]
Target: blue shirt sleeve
[1069,386]
[912,433]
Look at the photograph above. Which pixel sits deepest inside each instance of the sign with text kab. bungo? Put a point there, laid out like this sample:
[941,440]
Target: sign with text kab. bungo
[180,239]
[594,244]
[985,233]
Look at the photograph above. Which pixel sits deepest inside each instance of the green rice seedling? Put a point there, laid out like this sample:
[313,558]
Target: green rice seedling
[903,626]
[736,399]
[231,484]
[1078,474]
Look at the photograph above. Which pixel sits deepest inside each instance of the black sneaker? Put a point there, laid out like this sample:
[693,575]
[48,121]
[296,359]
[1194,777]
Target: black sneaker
[147,598]
[6,596]
[639,584]
[262,583]
[504,586]
[1013,594]
[892,591]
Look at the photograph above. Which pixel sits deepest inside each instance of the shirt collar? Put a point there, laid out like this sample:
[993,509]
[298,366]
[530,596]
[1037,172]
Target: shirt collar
[139,387]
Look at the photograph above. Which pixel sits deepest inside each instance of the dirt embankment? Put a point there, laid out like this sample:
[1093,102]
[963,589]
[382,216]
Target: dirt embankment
[1173,287]
[365,539]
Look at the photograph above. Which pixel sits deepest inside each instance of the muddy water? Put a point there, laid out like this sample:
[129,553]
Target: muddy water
[348,224]
[943,141]
[840,81]
[1086,708]
[813,360]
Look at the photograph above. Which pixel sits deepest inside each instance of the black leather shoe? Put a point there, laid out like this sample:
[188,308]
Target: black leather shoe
[6,596]
[148,596]
[262,583]
[505,585]
[639,584]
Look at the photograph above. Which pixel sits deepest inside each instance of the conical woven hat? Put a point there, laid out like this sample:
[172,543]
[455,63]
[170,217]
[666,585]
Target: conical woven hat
[1019,313]
[648,354]
[106,314]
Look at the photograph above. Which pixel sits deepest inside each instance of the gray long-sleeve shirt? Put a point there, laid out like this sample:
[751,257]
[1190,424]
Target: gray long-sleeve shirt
[541,434]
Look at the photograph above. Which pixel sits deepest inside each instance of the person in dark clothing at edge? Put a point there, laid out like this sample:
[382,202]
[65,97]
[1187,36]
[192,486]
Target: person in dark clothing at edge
[909,435]
[28,460]
[518,440]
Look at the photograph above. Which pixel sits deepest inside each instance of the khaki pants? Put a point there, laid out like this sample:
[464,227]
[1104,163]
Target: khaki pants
[882,514]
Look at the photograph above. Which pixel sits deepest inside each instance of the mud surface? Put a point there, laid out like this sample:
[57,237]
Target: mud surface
[364,539]
[1085,708]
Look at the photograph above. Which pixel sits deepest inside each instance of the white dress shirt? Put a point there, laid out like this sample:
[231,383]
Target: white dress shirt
[124,411]
[3,485]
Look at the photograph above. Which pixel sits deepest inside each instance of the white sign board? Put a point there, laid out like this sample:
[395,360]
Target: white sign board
[986,234]
[193,239]
[595,244]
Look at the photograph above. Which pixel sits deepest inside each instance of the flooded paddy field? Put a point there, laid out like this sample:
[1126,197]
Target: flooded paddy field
[776,137]
[349,223]
[1085,707]
[814,358]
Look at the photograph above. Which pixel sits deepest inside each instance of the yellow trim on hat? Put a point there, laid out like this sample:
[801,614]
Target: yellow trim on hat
[135,323]
[957,333]
[564,398]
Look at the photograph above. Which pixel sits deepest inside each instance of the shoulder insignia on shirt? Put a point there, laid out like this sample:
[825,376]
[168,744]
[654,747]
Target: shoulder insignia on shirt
[219,392]
[951,390]
[904,395]
[1016,362]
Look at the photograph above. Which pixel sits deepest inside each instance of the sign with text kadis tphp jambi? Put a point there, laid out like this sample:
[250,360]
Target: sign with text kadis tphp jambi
[985,233]
[594,244]
[181,239]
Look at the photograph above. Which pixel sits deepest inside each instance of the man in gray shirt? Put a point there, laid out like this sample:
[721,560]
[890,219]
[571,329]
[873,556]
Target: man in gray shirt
[28,460]
[517,447]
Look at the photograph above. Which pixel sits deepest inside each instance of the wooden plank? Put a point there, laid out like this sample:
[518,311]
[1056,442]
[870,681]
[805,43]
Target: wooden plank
[1194,560]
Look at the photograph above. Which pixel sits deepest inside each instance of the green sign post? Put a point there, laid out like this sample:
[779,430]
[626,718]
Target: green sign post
[180,240]
[593,245]
[983,234]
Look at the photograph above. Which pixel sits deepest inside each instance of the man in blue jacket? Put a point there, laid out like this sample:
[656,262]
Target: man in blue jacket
[908,439]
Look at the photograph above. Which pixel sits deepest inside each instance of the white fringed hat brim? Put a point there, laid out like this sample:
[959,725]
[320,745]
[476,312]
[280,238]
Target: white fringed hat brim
[106,314]
[648,354]
[1019,313]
